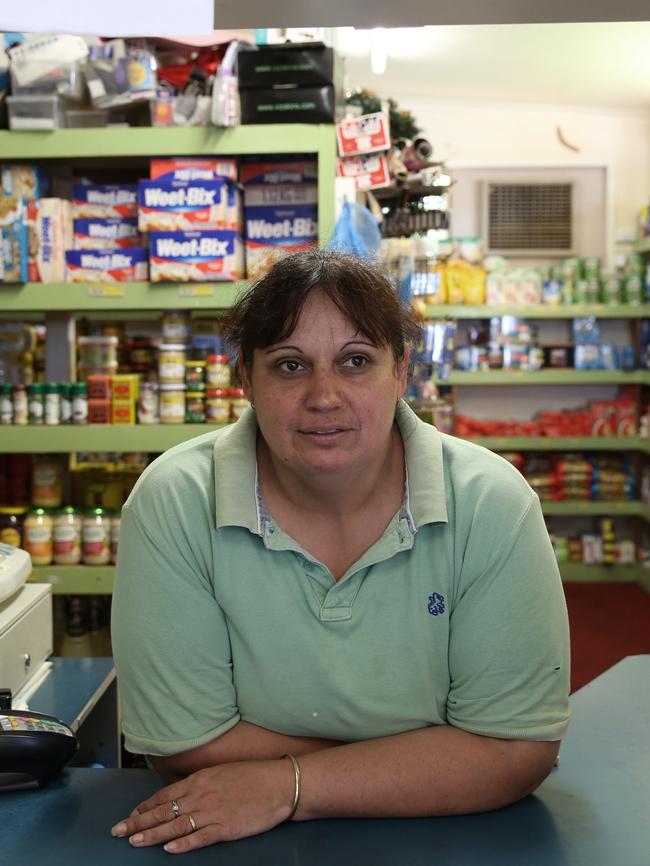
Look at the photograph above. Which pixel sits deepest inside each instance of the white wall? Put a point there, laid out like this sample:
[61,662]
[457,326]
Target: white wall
[504,133]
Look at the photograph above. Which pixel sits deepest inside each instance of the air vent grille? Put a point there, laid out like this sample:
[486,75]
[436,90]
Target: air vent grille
[530,217]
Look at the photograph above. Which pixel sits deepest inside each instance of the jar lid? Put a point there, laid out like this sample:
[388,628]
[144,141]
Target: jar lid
[98,341]
[195,363]
[17,509]
[79,388]
[171,387]
[218,392]
[196,394]
[218,359]
[67,509]
[41,512]
[96,512]
[52,388]
[236,392]
[6,388]
[172,347]
[35,388]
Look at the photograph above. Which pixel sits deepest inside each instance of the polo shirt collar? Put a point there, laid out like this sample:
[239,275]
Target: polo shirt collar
[235,472]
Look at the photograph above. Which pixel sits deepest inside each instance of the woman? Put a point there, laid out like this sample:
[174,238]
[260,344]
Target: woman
[329,608]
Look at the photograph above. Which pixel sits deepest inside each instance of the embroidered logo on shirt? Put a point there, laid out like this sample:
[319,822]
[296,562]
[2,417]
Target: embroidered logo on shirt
[436,604]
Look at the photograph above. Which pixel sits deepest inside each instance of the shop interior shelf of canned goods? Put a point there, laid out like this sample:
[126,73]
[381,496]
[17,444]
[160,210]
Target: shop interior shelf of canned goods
[548,376]
[562,443]
[100,579]
[62,439]
[538,311]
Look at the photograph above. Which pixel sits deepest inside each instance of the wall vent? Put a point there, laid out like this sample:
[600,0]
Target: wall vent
[528,219]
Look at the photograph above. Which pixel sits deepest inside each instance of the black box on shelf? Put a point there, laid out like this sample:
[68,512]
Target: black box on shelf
[290,105]
[308,64]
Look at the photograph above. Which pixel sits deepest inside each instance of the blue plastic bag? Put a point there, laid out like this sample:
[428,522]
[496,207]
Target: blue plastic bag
[356,232]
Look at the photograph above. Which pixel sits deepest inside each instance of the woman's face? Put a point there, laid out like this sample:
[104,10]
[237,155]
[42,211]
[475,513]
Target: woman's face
[325,396]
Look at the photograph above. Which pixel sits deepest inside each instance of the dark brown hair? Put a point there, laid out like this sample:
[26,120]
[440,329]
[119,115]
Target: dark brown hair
[268,312]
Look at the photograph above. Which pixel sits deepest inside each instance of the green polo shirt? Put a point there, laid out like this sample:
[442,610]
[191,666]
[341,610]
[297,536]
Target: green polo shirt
[455,615]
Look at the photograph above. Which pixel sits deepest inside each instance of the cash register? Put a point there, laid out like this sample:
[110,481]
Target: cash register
[34,747]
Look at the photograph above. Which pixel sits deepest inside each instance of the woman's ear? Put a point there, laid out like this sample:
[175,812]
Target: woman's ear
[244,375]
[403,371]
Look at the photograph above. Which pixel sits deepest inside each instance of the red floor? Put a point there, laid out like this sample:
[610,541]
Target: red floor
[608,622]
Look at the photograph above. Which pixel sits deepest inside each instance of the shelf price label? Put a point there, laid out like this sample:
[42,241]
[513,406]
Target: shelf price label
[106,291]
[199,290]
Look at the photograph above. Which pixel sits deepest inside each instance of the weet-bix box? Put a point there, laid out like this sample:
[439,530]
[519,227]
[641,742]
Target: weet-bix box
[280,209]
[50,234]
[112,233]
[105,266]
[195,256]
[180,205]
[193,168]
[104,200]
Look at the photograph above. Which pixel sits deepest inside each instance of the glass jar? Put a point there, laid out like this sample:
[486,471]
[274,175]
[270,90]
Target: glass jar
[171,404]
[65,390]
[171,363]
[98,355]
[176,327]
[79,394]
[6,404]
[115,536]
[52,409]
[217,406]
[21,410]
[95,537]
[238,403]
[11,525]
[35,403]
[38,536]
[217,371]
[148,403]
[67,537]
[47,481]
[195,375]
[195,407]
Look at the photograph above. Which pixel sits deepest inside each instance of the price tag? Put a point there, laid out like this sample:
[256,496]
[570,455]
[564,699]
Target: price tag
[106,291]
[200,290]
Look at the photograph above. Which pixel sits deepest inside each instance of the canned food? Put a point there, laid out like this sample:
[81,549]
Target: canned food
[171,404]
[171,363]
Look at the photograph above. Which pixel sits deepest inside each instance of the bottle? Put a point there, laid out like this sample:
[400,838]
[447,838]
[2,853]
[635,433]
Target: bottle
[79,393]
[52,409]
[6,404]
[95,537]
[37,536]
[21,411]
[67,537]
[35,403]
[65,389]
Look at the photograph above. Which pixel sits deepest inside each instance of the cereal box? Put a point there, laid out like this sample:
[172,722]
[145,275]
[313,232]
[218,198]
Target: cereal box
[14,240]
[365,134]
[279,219]
[50,235]
[195,256]
[278,171]
[193,168]
[179,205]
[111,233]
[104,201]
[105,266]
[24,181]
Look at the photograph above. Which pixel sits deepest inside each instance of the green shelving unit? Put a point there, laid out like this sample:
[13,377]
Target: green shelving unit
[597,509]
[153,438]
[538,311]
[579,572]
[562,443]
[76,579]
[642,246]
[548,377]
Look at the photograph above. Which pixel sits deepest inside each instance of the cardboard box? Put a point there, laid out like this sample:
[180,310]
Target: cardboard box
[180,205]
[99,411]
[122,412]
[304,64]
[99,386]
[193,168]
[279,219]
[104,200]
[365,134]
[50,235]
[290,105]
[24,181]
[14,240]
[105,266]
[111,233]
[276,170]
[196,256]
[125,387]
[370,171]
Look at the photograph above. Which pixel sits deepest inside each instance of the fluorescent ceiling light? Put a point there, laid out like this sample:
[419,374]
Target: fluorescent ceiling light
[378,50]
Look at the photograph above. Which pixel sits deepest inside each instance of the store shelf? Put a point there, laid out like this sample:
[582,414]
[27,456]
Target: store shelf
[579,572]
[572,508]
[548,377]
[642,246]
[153,438]
[538,311]
[562,443]
[76,579]
[118,297]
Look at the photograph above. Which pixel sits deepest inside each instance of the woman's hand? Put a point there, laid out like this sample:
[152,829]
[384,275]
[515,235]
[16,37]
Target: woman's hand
[226,802]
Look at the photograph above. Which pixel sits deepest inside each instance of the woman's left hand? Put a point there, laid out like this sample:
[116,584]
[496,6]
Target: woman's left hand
[217,804]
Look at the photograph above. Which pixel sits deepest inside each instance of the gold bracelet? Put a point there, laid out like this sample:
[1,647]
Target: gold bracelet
[296,792]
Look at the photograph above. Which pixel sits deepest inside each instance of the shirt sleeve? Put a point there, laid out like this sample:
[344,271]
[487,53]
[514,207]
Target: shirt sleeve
[170,644]
[509,638]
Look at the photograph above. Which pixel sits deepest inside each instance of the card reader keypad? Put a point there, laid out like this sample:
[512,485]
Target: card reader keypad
[21,723]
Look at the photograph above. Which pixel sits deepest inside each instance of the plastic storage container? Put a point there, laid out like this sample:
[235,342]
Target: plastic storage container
[34,112]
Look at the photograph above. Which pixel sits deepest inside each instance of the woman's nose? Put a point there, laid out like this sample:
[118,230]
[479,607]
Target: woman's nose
[323,390]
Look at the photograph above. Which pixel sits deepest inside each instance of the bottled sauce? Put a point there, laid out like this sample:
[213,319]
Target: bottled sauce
[195,375]
[79,393]
[47,482]
[21,409]
[11,525]
[95,537]
[38,536]
[195,407]
[217,371]
[171,404]
[148,403]
[238,403]
[176,327]
[67,537]
[35,403]
[6,404]
[171,363]
[217,406]
[52,409]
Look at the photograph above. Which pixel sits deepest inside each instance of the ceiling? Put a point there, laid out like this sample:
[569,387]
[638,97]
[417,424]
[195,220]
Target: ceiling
[604,64]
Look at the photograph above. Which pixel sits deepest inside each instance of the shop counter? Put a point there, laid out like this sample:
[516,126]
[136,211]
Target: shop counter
[591,811]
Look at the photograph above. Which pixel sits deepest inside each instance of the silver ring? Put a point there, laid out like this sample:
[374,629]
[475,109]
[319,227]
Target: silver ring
[193,823]
[176,809]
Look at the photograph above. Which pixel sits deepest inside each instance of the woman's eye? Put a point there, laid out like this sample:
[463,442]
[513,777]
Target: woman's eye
[355,361]
[289,366]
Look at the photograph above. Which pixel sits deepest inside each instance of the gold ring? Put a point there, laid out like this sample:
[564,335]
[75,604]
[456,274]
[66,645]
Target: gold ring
[176,809]
[193,823]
